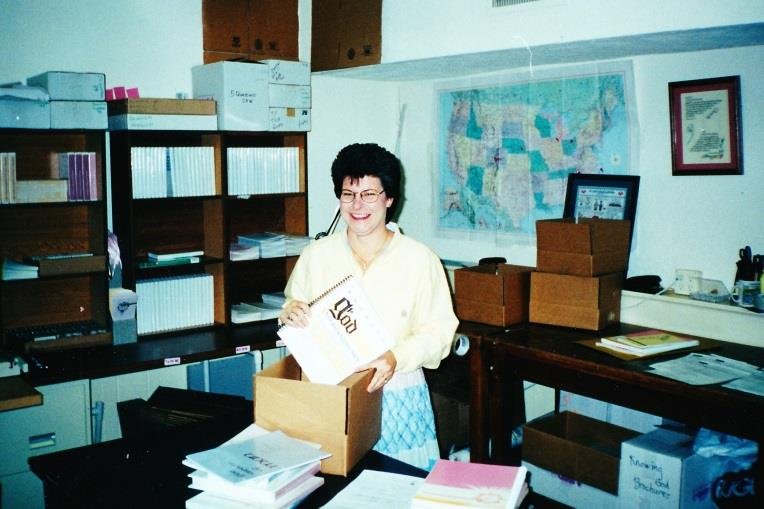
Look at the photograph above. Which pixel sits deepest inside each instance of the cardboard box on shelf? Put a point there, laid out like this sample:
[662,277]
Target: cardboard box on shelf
[343,418]
[71,86]
[576,447]
[660,470]
[289,119]
[24,114]
[289,96]
[346,33]
[589,247]
[225,25]
[495,294]
[287,72]
[590,303]
[78,115]
[161,106]
[241,92]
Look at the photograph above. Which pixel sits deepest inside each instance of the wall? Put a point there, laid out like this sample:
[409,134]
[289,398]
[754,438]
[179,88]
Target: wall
[682,222]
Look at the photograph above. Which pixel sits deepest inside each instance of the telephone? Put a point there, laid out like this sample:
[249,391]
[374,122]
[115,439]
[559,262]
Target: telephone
[643,284]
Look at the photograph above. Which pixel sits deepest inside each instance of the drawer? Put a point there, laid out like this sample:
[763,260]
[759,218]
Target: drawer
[61,422]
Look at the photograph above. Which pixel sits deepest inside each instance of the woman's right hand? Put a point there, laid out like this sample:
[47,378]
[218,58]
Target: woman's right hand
[295,313]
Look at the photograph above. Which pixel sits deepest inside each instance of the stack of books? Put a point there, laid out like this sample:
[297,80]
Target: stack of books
[7,177]
[272,245]
[295,243]
[458,484]
[255,469]
[13,269]
[238,251]
[177,258]
[649,342]
[80,171]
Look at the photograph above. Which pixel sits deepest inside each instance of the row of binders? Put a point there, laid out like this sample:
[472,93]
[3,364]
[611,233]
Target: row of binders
[177,302]
[7,177]
[80,171]
[255,469]
[164,172]
[263,170]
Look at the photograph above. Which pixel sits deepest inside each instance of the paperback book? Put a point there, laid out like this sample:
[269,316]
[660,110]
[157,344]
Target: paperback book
[647,342]
[476,485]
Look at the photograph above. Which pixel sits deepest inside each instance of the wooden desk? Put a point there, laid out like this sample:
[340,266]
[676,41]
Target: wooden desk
[501,360]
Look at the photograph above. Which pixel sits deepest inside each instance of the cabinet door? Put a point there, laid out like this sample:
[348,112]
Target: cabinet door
[139,385]
[22,491]
[61,422]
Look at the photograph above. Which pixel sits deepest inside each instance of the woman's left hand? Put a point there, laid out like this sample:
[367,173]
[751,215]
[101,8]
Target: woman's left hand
[384,369]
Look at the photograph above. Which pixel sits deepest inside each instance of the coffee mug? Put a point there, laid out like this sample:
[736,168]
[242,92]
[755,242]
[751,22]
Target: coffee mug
[744,293]
[758,302]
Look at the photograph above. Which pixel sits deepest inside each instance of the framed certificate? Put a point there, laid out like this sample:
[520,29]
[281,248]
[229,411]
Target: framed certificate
[705,126]
[601,196]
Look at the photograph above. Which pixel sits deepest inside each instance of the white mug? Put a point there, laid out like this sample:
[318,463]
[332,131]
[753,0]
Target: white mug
[744,293]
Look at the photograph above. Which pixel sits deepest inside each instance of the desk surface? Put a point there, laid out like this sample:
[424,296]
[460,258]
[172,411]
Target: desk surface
[551,356]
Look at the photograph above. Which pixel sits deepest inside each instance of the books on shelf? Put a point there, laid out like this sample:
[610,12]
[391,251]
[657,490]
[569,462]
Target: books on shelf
[13,269]
[256,468]
[254,311]
[151,263]
[272,245]
[80,171]
[263,170]
[647,342]
[163,257]
[238,251]
[7,177]
[171,303]
[164,172]
[453,484]
[343,333]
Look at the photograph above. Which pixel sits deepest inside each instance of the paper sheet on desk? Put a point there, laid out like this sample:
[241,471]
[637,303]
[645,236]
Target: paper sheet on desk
[753,383]
[702,369]
[376,490]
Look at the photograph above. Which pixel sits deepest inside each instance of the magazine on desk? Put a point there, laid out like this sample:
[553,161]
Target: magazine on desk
[344,332]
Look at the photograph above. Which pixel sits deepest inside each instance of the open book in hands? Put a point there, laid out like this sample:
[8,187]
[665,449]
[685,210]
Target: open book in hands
[344,333]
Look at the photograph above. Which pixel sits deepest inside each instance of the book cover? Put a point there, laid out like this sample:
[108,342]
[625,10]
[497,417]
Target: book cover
[255,458]
[476,485]
[647,342]
[344,332]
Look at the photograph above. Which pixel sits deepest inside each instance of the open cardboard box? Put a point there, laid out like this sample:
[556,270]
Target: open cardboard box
[343,418]
[495,294]
[577,447]
[589,247]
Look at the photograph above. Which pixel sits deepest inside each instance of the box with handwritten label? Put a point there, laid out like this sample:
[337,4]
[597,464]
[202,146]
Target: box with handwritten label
[659,470]
[343,418]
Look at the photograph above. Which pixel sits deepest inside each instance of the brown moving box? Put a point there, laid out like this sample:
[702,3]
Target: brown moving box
[577,447]
[495,294]
[343,418]
[346,33]
[588,248]
[161,106]
[590,303]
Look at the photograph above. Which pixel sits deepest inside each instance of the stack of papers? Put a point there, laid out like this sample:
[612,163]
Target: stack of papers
[274,299]
[255,469]
[647,342]
[703,369]
[254,311]
[295,243]
[17,270]
[238,251]
[272,245]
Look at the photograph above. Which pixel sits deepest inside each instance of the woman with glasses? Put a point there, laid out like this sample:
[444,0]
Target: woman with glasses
[404,281]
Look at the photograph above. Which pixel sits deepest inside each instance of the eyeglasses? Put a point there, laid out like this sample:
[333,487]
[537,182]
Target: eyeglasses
[367,196]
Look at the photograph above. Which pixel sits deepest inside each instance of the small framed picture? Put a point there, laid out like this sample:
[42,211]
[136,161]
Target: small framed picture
[705,126]
[601,196]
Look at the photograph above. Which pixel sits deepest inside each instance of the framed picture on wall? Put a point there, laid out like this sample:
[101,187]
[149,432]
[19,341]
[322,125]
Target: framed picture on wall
[705,126]
[601,196]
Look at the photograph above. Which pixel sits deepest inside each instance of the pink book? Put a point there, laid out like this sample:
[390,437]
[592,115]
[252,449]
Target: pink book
[477,485]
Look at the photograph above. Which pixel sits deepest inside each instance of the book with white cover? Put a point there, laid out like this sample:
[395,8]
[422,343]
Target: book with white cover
[208,500]
[255,458]
[344,333]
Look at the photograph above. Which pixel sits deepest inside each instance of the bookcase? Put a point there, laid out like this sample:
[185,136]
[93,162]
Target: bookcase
[65,304]
[208,222]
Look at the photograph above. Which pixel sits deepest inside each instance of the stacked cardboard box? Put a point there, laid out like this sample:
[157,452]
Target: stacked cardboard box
[76,98]
[162,114]
[580,267]
[272,95]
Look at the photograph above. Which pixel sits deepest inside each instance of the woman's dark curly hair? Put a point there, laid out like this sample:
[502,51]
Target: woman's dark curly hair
[368,159]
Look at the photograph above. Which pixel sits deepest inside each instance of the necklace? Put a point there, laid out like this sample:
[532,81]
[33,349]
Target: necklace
[366,261]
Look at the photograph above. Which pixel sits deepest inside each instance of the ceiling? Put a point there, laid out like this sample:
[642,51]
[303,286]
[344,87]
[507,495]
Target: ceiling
[561,53]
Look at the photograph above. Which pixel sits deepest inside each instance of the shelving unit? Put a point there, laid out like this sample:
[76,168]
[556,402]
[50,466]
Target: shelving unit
[209,223]
[73,292]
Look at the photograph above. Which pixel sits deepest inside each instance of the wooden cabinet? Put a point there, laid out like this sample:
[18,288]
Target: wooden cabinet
[209,222]
[69,293]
